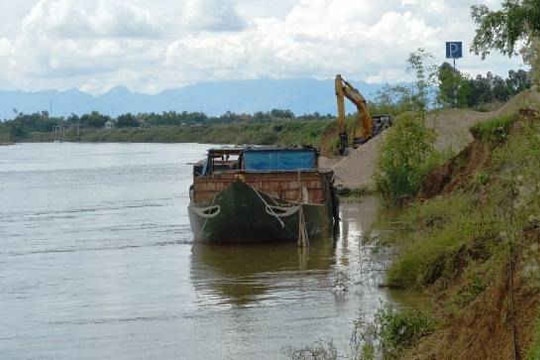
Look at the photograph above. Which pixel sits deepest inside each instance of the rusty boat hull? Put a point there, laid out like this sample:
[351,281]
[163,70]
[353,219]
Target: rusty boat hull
[242,206]
[241,214]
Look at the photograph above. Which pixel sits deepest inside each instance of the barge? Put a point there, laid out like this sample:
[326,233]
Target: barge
[262,194]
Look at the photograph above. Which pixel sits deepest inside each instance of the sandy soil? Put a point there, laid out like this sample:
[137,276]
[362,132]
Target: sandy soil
[451,125]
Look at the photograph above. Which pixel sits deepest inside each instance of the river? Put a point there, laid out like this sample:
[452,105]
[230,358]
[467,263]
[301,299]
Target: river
[97,262]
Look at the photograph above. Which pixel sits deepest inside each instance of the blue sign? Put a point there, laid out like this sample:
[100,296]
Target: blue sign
[454,49]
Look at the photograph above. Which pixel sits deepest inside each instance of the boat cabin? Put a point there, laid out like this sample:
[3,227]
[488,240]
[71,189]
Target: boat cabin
[255,159]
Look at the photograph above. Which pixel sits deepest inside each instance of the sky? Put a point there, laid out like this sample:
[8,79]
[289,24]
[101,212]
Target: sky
[152,45]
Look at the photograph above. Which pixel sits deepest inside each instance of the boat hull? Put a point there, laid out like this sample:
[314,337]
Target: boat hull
[242,214]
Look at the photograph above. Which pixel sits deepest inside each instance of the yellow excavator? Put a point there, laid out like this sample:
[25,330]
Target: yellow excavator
[368,126]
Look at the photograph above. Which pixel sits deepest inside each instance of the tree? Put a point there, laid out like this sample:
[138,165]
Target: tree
[518,81]
[424,74]
[94,119]
[282,114]
[518,20]
[450,81]
[17,131]
[405,159]
[502,29]
[392,100]
[499,89]
[127,120]
[464,93]
[481,89]
[531,55]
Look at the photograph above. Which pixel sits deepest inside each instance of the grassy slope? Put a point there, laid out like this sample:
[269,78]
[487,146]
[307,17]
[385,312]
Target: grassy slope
[476,247]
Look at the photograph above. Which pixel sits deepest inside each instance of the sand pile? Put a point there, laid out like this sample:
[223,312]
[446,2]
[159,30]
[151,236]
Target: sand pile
[451,126]
[357,168]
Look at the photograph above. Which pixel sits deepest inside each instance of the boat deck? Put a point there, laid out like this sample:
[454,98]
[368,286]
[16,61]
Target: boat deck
[291,186]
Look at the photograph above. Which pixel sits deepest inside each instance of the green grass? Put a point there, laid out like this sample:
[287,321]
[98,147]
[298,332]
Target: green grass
[390,333]
[398,330]
[437,233]
[534,350]
[461,243]
[495,130]
[444,230]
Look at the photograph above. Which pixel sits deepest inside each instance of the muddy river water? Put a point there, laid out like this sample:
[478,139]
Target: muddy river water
[97,262]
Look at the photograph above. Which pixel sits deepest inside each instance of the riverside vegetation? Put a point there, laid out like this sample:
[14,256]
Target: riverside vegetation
[468,236]
[274,127]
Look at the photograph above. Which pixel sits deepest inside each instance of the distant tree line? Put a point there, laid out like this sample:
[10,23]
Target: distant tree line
[444,87]
[23,125]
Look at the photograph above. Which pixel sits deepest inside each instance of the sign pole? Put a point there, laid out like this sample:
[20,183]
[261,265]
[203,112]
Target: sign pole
[455,85]
[454,51]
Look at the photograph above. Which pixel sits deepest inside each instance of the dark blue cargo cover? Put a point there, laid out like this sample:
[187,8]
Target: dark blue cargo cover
[280,159]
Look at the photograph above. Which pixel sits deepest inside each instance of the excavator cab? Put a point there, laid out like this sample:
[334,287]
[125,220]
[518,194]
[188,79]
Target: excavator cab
[381,123]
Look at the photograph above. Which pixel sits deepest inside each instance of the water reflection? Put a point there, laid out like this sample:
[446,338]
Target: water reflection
[240,274]
[355,252]
[269,297]
[245,274]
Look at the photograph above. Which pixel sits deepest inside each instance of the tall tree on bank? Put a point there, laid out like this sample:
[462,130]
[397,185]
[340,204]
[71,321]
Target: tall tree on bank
[419,62]
[450,83]
[407,152]
[501,30]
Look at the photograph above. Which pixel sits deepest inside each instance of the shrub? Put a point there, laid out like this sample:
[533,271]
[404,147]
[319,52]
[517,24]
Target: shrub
[406,156]
[398,330]
[494,131]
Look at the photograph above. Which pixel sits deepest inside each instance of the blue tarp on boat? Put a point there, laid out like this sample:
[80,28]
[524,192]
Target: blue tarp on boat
[280,160]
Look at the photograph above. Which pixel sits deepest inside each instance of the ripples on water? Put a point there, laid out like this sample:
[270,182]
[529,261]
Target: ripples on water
[97,261]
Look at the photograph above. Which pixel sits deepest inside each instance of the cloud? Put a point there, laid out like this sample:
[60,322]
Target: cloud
[150,46]
[63,43]
[249,9]
[83,19]
[212,15]
[316,39]
[64,59]
[5,47]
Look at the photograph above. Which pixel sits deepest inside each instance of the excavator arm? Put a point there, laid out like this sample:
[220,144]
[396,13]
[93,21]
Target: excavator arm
[364,119]
[366,126]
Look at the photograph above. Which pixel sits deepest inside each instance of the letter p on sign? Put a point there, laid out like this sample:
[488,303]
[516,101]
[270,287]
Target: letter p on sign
[454,49]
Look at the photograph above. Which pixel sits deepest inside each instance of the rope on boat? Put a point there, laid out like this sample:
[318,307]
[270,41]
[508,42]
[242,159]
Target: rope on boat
[203,212]
[208,212]
[303,237]
[278,211]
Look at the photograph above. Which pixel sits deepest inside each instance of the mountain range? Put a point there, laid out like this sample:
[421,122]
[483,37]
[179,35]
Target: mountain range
[301,96]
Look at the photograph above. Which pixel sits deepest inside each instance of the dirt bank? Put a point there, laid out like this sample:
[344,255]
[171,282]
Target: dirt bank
[483,278]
